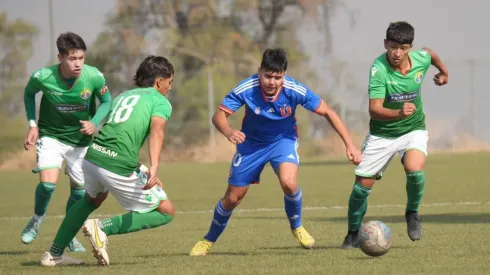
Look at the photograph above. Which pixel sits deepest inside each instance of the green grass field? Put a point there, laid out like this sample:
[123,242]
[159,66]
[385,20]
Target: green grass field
[456,212]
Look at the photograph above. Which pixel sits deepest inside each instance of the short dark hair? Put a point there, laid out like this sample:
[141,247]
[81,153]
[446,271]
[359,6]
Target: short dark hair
[274,60]
[68,42]
[400,32]
[150,69]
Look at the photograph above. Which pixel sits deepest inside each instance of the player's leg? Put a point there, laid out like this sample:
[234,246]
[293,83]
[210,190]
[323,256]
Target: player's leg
[49,160]
[147,209]
[376,155]
[96,193]
[285,162]
[246,167]
[414,154]
[74,159]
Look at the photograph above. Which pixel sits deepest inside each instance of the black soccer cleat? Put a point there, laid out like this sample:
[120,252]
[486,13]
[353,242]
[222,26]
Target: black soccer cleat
[351,240]
[414,225]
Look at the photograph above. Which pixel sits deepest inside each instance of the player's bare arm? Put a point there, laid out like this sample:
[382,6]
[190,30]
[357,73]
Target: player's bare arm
[220,121]
[378,112]
[442,77]
[353,154]
[155,146]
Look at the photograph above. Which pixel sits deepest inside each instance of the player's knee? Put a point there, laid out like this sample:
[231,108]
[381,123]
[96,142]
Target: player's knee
[365,181]
[166,207]
[98,200]
[231,200]
[289,184]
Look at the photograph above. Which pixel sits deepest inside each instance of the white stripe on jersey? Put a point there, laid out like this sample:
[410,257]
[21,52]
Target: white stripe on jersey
[246,85]
[290,83]
[296,89]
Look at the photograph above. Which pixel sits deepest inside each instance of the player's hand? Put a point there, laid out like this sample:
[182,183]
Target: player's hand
[31,137]
[440,79]
[353,154]
[235,136]
[152,178]
[408,109]
[88,128]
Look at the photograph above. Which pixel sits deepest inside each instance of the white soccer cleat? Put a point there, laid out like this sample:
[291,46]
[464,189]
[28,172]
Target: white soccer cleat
[98,239]
[50,260]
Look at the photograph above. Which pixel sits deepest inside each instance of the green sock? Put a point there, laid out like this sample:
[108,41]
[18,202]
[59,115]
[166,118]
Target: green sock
[134,221]
[357,206]
[76,216]
[75,195]
[44,191]
[415,189]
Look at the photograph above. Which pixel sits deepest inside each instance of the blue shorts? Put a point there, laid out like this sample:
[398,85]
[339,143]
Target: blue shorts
[249,160]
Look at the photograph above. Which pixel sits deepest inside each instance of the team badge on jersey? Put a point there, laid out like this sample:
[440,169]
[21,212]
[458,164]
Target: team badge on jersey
[85,94]
[418,77]
[285,111]
[257,110]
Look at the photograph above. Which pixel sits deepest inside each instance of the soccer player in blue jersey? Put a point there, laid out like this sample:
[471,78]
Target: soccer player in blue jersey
[268,135]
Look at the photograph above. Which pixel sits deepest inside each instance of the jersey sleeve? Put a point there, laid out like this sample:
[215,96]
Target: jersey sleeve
[424,57]
[377,83]
[30,91]
[232,102]
[100,86]
[162,109]
[102,93]
[308,99]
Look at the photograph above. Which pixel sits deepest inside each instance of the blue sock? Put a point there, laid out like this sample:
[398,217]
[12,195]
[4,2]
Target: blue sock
[220,219]
[292,205]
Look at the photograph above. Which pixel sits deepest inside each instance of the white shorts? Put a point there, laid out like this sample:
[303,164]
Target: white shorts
[377,152]
[51,153]
[127,190]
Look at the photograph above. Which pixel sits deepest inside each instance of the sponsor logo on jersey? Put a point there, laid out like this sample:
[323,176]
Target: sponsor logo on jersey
[402,97]
[418,77]
[70,108]
[103,90]
[55,93]
[85,94]
[104,150]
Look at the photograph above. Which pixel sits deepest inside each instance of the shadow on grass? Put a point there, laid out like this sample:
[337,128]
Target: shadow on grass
[448,218]
[187,254]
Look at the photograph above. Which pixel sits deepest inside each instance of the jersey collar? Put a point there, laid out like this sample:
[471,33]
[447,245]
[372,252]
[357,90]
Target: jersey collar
[264,96]
[60,76]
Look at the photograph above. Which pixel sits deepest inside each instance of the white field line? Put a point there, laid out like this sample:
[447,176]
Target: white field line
[259,210]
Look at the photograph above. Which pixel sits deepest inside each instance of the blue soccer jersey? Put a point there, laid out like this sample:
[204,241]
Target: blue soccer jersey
[268,120]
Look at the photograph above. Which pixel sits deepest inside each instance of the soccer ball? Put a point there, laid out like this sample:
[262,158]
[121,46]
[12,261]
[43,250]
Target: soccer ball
[375,238]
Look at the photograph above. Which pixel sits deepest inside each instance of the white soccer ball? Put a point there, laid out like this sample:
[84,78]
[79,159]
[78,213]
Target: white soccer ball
[375,238]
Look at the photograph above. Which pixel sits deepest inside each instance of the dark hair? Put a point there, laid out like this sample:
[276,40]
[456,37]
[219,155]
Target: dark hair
[274,60]
[150,69]
[68,42]
[400,32]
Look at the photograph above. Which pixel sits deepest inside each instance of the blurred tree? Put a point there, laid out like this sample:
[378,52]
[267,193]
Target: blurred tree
[16,40]
[224,37]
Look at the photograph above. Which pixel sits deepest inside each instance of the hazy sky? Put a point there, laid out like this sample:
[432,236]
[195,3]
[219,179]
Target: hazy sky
[457,32]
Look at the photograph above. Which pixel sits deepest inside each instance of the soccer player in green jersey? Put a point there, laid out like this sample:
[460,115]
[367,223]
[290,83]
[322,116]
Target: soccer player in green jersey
[111,164]
[66,124]
[397,126]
